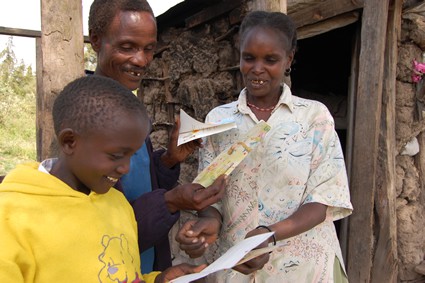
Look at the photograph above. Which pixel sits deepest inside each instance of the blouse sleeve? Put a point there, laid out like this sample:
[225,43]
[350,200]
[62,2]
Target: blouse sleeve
[328,182]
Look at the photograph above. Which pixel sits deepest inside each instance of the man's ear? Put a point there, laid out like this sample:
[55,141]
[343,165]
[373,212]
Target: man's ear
[67,140]
[95,41]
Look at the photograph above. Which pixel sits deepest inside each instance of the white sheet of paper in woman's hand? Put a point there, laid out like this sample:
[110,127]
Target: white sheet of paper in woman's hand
[192,129]
[227,260]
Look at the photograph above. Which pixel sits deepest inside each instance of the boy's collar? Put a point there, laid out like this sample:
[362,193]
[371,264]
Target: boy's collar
[47,165]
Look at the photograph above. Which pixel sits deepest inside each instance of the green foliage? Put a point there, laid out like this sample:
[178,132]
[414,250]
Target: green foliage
[17,111]
[90,58]
[13,75]
[18,107]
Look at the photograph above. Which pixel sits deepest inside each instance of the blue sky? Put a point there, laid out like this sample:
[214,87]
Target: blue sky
[13,16]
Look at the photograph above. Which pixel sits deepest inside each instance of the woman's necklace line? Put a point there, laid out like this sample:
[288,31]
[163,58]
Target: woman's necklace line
[260,109]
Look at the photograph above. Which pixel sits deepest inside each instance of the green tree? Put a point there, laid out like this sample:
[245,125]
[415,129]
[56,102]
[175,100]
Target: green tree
[8,58]
[17,110]
[15,77]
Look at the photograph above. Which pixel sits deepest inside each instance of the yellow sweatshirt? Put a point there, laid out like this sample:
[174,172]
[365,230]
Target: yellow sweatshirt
[52,233]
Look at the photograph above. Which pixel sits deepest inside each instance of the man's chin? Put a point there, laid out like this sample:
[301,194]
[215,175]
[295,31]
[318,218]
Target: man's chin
[131,85]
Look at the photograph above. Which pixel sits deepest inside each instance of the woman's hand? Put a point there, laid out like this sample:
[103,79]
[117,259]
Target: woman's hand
[257,262]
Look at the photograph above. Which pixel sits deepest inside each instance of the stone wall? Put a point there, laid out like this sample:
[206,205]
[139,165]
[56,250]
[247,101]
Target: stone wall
[196,72]
[410,159]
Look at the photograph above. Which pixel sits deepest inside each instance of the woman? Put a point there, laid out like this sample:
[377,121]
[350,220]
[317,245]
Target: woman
[294,183]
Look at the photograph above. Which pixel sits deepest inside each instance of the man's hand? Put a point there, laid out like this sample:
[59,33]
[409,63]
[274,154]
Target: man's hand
[194,196]
[257,262]
[195,235]
[177,271]
[176,154]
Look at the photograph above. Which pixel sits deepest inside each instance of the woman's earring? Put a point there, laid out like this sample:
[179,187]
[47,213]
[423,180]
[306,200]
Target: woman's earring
[288,71]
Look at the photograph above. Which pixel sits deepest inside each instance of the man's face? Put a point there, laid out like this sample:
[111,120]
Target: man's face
[126,48]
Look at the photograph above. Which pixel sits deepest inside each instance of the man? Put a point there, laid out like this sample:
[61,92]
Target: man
[123,34]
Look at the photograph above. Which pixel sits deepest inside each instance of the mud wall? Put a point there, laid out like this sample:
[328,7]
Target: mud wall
[194,70]
[410,158]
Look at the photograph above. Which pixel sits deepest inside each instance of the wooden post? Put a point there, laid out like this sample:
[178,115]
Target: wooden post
[60,60]
[365,140]
[384,264]
[268,5]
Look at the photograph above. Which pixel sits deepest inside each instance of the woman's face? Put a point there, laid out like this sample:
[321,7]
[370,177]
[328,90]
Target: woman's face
[264,60]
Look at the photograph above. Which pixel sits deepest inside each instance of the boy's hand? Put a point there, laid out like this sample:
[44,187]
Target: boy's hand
[177,271]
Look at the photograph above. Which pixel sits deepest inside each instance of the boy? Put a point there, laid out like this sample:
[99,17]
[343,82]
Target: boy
[61,220]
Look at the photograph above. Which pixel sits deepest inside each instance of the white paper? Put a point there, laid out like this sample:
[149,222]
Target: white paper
[192,129]
[227,260]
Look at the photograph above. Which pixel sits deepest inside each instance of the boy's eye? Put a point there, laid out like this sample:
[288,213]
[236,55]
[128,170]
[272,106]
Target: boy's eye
[115,156]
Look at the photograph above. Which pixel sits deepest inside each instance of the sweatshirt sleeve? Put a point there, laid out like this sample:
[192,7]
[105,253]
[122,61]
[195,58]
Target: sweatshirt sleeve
[150,277]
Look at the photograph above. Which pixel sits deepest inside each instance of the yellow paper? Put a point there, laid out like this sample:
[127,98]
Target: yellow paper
[227,160]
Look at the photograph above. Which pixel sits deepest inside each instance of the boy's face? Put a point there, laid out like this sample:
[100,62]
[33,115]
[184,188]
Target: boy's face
[95,161]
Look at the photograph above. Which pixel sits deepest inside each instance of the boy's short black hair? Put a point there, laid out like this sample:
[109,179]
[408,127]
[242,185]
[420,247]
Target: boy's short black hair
[102,12]
[92,102]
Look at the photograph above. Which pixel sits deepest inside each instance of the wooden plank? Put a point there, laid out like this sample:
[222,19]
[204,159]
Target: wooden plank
[385,258]
[284,6]
[235,16]
[352,87]
[211,13]
[319,11]
[252,5]
[327,25]
[40,101]
[20,32]
[62,61]
[27,33]
[365,142]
